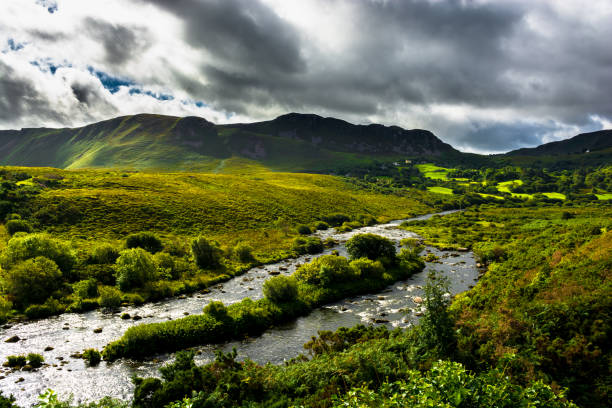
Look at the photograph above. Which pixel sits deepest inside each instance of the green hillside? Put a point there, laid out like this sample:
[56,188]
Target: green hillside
[291,142]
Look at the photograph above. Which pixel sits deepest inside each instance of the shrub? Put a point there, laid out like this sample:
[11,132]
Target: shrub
[92,357]
[49,308]
[135,267]
[166,268]
[145,240]
[307,245]
[368,269]
[280,289]
[16,361]
[104,254]
[7,402]
[5,309]
[87,288]
[14,226]
[303,230]
[244,253]
[324,270]
[37,245]
[566,215]
[207,255]
[371,246]
[35,360]
[110,297]
[366,219]
[216,309]
[33,280]
[336,220]
[321,225]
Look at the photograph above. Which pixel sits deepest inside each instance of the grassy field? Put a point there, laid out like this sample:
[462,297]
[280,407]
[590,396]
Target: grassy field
[249,204]
[440,190]
[504,186]
[433,172]
[607,196]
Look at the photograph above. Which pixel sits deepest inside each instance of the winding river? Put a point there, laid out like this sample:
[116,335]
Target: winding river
[396,306]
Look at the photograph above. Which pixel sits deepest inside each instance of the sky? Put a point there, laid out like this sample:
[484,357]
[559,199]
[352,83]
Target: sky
[486,76]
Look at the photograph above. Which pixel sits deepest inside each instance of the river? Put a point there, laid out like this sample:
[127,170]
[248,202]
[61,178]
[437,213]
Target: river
[395,306]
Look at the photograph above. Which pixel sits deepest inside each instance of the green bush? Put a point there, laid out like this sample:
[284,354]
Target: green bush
[134,268]
[87,288]
[367,268]
[335,220]
[14,226]
[307,245]
[110,297]
[35,360]
[5,309]
[145,240]
[207,255]
[303,229]
[243,253]
[16,361]
[33,280]
[321,225]
[325,270]
[49,308]
[166,267]
[92,357]
[36,245]
[371,246]
[280,289]
[216,309]
[104,254]
[7,402]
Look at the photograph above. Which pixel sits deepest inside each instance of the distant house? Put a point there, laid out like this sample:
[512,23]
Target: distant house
[408,161]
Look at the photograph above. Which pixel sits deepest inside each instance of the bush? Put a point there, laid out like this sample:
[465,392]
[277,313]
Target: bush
[49,308]
[16,361]
[303,230]
[92,357]
[33,281]
[207,255]
[110,297]
[307,245]
[14,226]
[134,268]
[145,240]
[321,225]
[216,309]
[336,220]
[280,289]
[368,269]
[37,245]
[35,360]
[325,270]
[166,267]
[5,309]
[243,253]
[87,288]
[371,246]
[7,402]
[104,254]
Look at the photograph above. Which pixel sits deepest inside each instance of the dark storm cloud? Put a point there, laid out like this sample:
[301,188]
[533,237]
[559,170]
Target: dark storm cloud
[240,33]
[407,52]
[19,98]
[120,42]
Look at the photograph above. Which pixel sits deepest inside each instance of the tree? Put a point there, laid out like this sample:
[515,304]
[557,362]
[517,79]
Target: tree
[371,246]
[33,280]
[437,326]
[280,289]
[206,254]
[135,267]
[145,240]
[36,245]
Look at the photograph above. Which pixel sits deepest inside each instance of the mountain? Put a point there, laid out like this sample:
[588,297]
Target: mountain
[289,142]
[582,143]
